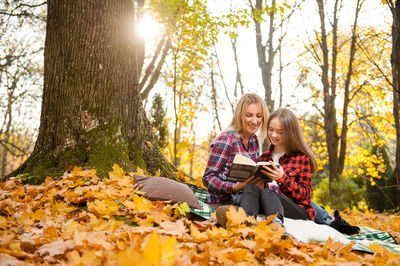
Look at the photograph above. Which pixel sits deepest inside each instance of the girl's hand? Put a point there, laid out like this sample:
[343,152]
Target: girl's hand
[255,180]
[274,173]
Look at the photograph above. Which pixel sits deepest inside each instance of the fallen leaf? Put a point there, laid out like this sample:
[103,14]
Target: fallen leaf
[148,143]
[55,248]
[151,252]
[299,256]
[196,234]
[235,217]
[173,228]
[6,259]
[375,247]
[117,172]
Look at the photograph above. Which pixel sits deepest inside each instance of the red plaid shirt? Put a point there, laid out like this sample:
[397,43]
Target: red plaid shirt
[296,180]
[223,150]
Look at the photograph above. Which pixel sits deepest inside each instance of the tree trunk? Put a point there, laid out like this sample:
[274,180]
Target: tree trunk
[346,100]
[264,64]
[214,97]
[238,80]
[91,111]
[396,88]
[330,125]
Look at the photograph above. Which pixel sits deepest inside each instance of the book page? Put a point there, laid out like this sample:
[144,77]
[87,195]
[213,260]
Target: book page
[241,159]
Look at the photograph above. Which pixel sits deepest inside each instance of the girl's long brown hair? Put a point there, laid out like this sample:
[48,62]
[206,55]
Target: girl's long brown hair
[293,135]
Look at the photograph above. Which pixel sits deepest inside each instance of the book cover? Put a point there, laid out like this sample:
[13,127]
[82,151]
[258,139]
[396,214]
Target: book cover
[243,167]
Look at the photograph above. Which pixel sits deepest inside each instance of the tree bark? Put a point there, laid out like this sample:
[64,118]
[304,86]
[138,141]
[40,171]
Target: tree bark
[346,100]
[238,80]
[264,64]
[91,110]
[330,125]
[395,58]
[214,96]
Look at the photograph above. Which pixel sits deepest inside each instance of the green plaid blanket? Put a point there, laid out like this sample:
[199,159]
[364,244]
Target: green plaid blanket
[201,195]
[361,241]
[368,235]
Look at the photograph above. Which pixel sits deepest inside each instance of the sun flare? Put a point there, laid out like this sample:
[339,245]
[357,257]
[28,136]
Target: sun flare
[148,28]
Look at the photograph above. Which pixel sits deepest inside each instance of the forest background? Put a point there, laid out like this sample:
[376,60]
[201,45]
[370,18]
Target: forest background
[329,61]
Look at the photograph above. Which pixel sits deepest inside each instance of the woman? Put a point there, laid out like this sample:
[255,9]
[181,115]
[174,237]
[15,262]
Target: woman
[250,115]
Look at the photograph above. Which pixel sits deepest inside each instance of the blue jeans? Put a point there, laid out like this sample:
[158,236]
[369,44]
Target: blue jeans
[236,199]
[321,215]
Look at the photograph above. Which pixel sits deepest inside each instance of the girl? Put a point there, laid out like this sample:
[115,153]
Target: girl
[297,161]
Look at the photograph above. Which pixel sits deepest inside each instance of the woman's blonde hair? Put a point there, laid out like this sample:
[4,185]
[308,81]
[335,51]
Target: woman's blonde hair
[293,134]
[237,123]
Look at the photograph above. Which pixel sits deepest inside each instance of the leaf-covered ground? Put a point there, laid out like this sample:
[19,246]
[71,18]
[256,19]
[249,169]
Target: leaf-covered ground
[82,220]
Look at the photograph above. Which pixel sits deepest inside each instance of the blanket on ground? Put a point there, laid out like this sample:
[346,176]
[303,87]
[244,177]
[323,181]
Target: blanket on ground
[308,231]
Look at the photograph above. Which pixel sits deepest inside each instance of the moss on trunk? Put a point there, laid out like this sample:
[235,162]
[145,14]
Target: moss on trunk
[98,149]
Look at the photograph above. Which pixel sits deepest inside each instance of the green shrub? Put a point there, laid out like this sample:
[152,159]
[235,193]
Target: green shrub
[348,194]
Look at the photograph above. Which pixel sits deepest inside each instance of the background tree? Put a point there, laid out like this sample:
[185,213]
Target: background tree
[395,9]
[158,121]
[21,47]
[91,111]
[336,145]
[191,30]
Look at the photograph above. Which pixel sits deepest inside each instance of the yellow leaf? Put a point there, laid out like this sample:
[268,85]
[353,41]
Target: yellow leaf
[140,171]
[152,250]
[217,233]
[141,203]
[148,143]
[235,217]
[346,249]
[168,251]
[238,255]
[130,257]
[116,172]
[196,234]
[103,207]
[15,246]
[3,221]
[157,173]
[26,219]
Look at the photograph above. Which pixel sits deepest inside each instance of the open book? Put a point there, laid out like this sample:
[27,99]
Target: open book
[243,167]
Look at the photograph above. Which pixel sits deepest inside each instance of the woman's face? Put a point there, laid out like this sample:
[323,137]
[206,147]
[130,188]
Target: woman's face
[276,134]
[253,119]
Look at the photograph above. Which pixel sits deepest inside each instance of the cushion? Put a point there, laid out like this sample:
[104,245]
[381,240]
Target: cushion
[161,188]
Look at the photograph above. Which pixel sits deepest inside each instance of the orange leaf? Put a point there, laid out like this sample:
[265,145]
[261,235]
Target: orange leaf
[376,247]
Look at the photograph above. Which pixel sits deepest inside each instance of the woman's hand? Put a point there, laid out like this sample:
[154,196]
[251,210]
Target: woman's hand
[255,180]
[274,173]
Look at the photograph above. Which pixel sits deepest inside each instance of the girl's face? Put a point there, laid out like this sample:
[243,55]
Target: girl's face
[253,119]
[276,134]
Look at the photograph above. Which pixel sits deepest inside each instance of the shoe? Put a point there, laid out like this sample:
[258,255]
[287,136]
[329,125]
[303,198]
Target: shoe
[342,226]
[278,221]
[220,212]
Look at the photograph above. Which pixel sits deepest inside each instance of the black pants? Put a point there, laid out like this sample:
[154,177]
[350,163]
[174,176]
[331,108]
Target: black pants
[255,201]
